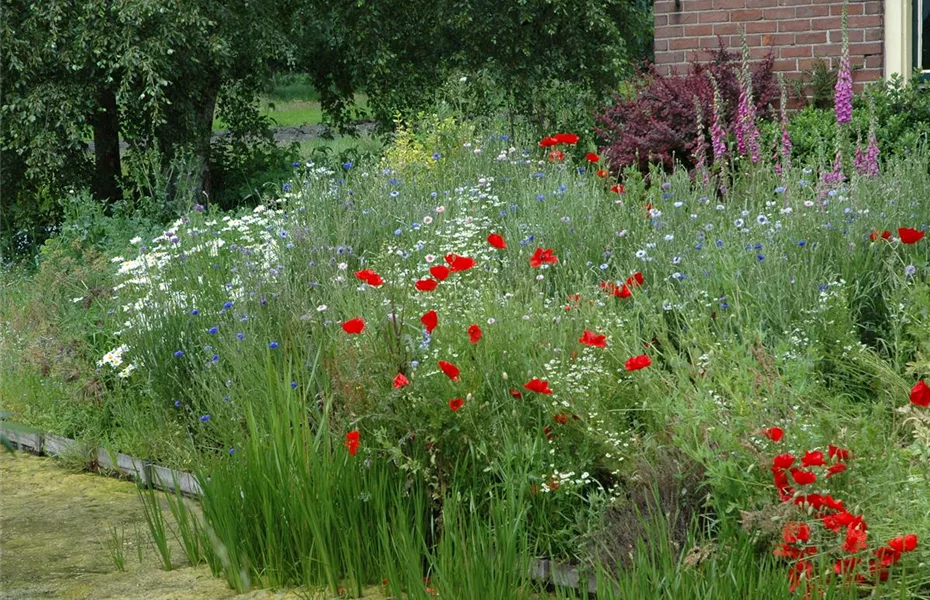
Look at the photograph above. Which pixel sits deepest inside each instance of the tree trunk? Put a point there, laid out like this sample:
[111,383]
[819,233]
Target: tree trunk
[108,167]
[204,139]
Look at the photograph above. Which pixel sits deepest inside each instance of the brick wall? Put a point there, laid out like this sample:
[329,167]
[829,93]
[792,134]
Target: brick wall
[797,31]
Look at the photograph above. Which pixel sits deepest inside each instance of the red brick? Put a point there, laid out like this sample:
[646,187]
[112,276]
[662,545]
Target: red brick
[699,30]
[729,4]
[784,64]
[865,21]
[725,28]
[874,34]
[685,43]
[827,24]
[855,35]
[670,57]
[876,61]
[795,52]
[762,27]
[865,49]
[827,50]
[743,16]
[669,32]
[660,20]
[683,18]
[777,14]
[796,2]
[817,10]
[794,25]
[874,8]
[714,16]
[814,37]
[853,8]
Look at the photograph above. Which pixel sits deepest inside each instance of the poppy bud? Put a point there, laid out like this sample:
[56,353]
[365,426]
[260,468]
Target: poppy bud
[504,376]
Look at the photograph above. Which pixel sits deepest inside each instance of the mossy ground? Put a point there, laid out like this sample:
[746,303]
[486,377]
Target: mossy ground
[54,525]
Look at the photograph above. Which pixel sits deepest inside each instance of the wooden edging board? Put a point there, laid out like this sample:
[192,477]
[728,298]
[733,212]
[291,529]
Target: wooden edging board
[164,478]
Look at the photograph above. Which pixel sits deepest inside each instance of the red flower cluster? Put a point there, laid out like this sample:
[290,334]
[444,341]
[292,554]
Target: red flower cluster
[569,139]
[539,386]
[474,334]
[352,442]
[369,277]
[401,381]
[798,537]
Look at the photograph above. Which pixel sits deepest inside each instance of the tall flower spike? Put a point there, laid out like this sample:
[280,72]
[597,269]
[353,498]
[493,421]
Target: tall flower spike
[844,85]
[717,133]
[785,162]
[700,144]
[747,134]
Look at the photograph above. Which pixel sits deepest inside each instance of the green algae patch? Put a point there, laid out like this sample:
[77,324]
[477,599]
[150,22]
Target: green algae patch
[54,528]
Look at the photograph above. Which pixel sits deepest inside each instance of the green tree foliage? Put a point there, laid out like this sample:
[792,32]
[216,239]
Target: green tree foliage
[154,73]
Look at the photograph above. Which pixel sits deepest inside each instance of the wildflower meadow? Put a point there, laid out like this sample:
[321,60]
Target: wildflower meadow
[420,373]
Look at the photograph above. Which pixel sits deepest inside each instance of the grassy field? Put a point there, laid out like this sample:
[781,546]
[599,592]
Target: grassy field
[490,354]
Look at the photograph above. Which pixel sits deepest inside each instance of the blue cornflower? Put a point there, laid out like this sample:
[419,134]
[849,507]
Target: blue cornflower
[394,194]
[436,156]
[563,187]
[293,385]
[204,418]
[213,330]
[780,189]
[286,187]
[295,164]
[724,305]
[720,243]
[273,345]
[195,312]
[757,247]
[240,336]
[802,243]
[393,181]
[347,165]
[539,175]
[232,451]
[177,404]
[540,197]
[226,398]
[414,364]
[227,305]
[397,232]
[760,256]
[179,354]
[603,267]
[581,170]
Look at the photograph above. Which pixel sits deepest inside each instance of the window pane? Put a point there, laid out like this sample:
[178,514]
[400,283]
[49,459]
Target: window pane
[924,28]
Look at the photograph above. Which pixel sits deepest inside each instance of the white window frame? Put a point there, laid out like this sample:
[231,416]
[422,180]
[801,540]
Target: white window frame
[899,31]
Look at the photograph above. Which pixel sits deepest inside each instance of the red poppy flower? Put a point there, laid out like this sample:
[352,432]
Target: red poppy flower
[459,263]
[497,241]
[430,320]
[635,280]
[566,138]
[455,404]
[795,532]
[803,477]
[352,442]
[592,157]
[786,551]
[547,142]
[369,277]
[602,173]
[785,491]
[474,334]
[920,394]
[556,156]
[801,569]
[813,459]
[845,565]
[354,326]
[440,272]
[885,235]
[543,257]
[910,236]
[451,371]
[561,418]
[904,543]
[589,338]
[838,453]
[887,556]
[515,393]
[855,539]
[638,362]
[834,469]
[783,461]
[618,189]
[426,285]
[539,386]
[401,381]
[774,433]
